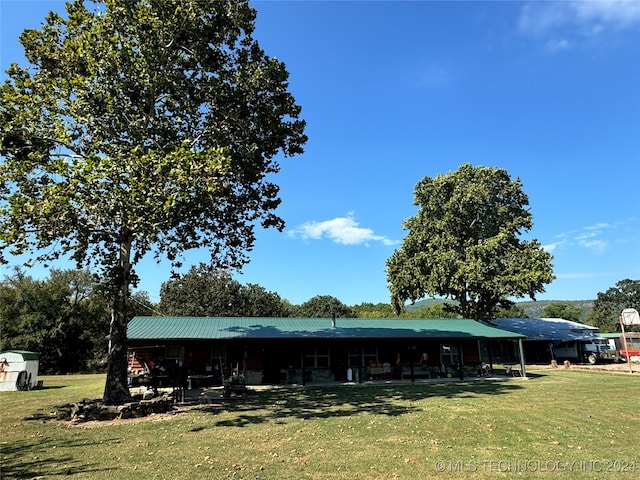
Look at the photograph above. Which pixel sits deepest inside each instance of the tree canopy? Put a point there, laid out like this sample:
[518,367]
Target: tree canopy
[370,310]
[142,127]
[463,244]
[323,306]
[436,310]
[64,318]
[206,292]
[608,305]
[514,311]
[563,310]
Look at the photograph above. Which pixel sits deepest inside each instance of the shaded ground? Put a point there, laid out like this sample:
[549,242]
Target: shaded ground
[359,394]
[213,396]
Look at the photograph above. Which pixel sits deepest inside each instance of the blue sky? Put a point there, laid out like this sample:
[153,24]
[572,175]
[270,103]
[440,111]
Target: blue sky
[396,91]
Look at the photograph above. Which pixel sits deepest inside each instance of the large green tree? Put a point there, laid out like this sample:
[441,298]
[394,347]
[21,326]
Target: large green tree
[64,318]
[563,310]
[370,310]
[142,126]
[260,302]
[463,244]
[207,292]
[201,292]
[323,306]
[514,311]
[608,305]
[435,310]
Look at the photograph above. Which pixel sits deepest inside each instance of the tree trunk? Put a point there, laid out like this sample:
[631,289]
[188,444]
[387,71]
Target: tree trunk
[116,389]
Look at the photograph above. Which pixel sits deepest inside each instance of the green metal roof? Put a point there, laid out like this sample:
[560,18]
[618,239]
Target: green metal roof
[23,353]
[219,328]
[611,335]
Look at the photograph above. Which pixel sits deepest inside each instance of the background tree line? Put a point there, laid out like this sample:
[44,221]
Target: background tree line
[65,318]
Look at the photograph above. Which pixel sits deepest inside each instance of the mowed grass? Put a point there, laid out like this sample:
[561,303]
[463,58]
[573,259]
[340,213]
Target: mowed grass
[556,424]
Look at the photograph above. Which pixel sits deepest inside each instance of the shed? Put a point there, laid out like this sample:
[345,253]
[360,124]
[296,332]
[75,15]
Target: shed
[18,370]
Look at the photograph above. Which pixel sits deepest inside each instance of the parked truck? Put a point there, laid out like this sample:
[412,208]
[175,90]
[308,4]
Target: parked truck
[601,350]
[595,350]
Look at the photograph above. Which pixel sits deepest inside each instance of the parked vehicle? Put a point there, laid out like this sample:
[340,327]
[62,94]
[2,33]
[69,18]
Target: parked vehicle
[601,350]
[596,350]
[633,354]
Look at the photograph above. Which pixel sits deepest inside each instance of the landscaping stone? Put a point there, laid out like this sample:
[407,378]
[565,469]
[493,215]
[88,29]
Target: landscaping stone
[94,410]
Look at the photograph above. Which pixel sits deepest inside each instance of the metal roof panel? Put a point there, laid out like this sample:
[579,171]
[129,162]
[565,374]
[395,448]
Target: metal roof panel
[548,329]
[219,328]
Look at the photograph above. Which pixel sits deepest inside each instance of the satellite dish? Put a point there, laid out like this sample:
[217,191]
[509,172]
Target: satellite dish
[630,316]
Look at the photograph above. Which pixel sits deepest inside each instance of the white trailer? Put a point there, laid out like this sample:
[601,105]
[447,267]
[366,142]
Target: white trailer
[18,370]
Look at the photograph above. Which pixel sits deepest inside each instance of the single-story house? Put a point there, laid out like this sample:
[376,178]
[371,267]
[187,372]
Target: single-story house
[301,350]
[549,338]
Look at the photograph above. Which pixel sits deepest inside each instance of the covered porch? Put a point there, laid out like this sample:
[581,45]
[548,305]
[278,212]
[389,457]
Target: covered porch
[209,351]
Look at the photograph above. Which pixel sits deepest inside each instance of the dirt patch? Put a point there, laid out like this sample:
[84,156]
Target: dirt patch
[155,417]
[601,367]
[610,367]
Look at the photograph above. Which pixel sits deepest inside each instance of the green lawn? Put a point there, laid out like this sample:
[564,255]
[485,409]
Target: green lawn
[555,424]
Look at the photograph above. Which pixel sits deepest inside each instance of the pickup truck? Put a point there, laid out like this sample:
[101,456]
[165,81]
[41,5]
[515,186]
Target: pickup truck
[601,350]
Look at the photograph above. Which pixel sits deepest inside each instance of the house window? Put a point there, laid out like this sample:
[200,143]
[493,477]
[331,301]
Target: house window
[319,358]
[172,353]
[218,359]
[449,354]
[363,356]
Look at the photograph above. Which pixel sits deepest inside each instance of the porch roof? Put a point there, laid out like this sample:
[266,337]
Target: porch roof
[219,328]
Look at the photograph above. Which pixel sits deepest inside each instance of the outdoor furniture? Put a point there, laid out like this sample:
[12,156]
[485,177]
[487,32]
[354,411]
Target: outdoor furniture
[375,372]
[512,370]
[418,371]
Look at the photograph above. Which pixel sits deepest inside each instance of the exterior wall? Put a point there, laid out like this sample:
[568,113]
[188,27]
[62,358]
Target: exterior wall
[276,361]
[537,351]
[633,341]
[503,351]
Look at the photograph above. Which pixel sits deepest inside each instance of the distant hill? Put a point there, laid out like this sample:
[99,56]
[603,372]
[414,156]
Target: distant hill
[531,309]
[536,309]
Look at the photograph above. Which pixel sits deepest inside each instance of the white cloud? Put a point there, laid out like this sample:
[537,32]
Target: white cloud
[600,226]
[558,44]
[434,76]
[343,230]
[551,246]
[592,237]
[538,19]
[612,13]
[595,245]
[564,23]
[578,275]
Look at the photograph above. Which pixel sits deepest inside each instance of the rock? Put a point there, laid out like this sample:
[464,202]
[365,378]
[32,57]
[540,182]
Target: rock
[95,410]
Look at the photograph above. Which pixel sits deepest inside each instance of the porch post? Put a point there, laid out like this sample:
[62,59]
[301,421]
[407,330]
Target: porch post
[361,369]
[302,364]
[490,356]
[522,364]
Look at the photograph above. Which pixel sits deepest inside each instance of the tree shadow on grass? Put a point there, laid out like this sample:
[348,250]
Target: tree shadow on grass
[343,401]
[24,459]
